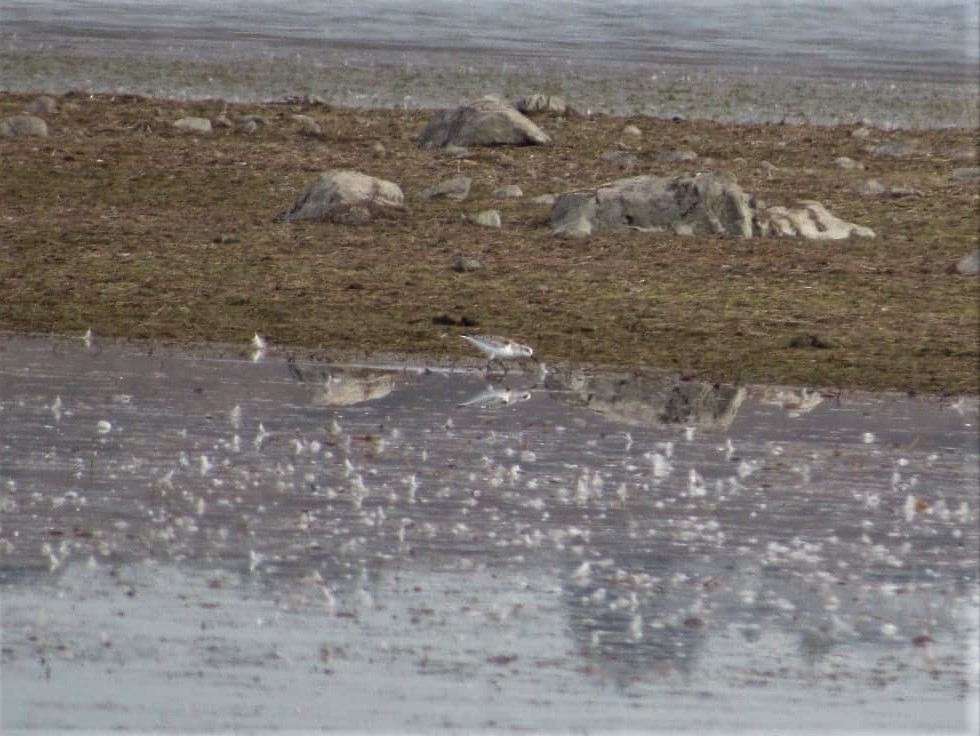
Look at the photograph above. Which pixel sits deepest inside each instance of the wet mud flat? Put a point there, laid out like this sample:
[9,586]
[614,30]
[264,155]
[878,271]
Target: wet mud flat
[207,539]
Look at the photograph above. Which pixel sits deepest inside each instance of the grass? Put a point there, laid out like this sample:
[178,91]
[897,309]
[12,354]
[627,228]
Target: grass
[119,223]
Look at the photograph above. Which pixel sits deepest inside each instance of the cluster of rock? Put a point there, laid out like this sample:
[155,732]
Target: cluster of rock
[704,203]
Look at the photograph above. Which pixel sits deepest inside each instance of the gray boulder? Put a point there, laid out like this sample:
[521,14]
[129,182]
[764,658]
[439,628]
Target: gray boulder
[345,197]
[487,122]
[457,188]
[22,125]
[705,203]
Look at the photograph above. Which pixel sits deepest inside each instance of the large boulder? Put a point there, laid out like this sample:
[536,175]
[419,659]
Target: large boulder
[487,122]
[23,125]
[345,197]
[809,220]
[705,203]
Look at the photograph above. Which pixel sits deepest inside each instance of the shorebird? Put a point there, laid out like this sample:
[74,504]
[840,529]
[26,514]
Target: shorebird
[500,349]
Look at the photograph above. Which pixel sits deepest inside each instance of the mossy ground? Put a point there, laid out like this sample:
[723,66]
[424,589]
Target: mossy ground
[119,223]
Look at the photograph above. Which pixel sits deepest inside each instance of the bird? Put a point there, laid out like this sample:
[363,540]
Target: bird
[500,349]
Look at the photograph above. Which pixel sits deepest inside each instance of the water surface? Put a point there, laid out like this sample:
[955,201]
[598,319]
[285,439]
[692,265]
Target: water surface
[200,540]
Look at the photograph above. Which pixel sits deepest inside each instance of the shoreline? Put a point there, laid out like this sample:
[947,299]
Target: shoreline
[118,223]
[428,81]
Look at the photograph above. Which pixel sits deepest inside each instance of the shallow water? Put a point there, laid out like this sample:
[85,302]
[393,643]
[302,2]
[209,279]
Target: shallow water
[903,62]
[203,540]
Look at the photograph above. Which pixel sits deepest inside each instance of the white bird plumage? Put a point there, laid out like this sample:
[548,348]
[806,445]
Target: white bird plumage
[500,348]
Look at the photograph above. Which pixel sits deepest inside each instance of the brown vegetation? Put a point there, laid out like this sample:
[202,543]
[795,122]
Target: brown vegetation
[120,223]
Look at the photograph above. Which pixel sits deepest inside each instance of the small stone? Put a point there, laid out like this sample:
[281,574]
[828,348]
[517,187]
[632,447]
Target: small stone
[454,151]
[457,188]
[547,200]
[845,162]
[486,218]
[222,121]
[678,156]
[307,125]
[248,127]
[538,102]
[868,188]
[895,149]
[509,191]
[193,125]
[467,265]
[632,131]
[967,173]
[861,133]
[968,265]
[623,159]
[378,149]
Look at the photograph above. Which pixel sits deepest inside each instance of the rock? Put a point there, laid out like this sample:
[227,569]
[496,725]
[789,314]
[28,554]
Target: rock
[538,102]
[623,159]
[487,122]
[769,167]
[895,149]
[222,121]
[706,203]
[874,188]
[809,220]
[345,196]
[193,125]
[969,265]
[868,188]
[467,265]
[486,218]
[632,131]
[248,127]
[845,162]
[23,125]
[863,132]
[307,125]
[43,105]
[547,200]
[457,188]
[967,173]
[678,156]
[510,191]
[961,154]
[378,149]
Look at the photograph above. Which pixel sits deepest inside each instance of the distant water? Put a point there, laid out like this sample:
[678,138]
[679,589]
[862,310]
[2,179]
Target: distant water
[865,42]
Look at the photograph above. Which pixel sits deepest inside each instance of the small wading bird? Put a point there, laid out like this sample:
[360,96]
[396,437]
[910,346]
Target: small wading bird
[500,349]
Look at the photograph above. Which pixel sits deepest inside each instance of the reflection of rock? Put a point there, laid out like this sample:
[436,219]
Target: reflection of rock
[792,399]
[649,401]
[343,387]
